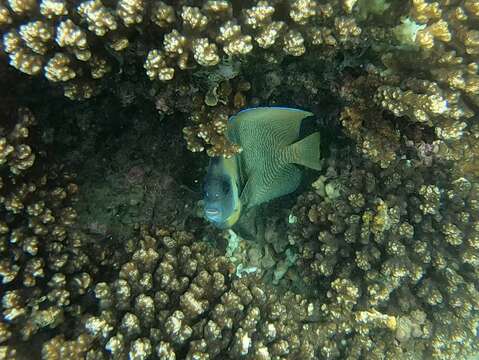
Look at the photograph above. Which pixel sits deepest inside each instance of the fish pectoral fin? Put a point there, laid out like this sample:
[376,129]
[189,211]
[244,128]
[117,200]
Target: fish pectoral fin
[263,188]
[306,152]
[247,193]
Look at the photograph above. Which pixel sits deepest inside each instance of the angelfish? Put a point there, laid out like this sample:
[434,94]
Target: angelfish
[265,169]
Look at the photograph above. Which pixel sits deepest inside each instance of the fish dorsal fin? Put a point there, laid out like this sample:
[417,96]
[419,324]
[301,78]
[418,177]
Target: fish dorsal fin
[281,122]
[305,152]
[262,187]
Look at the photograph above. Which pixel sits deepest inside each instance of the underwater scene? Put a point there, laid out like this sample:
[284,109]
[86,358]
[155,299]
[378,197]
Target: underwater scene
[243,179]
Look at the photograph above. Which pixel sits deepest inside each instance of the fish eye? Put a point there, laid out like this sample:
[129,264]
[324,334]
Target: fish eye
[215,195]
[225,187]
[212,190]
[216,189]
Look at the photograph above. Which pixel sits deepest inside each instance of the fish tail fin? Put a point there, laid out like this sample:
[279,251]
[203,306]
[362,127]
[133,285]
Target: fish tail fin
[306,152]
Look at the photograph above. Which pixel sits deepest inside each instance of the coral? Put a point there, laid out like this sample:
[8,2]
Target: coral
[77,45]
[375,138]
[56,44]
[100,19]
[209,125]
[406,236]
[425,102]
[176,297]
[156,67]
[427,81]
[432,51]
[464,154]
[206,311]
[71,36]
[59,348]
[43,265]
[130,11]
[58,69]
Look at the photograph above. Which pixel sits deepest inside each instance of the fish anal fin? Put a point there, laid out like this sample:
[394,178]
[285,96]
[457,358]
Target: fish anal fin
[305,152]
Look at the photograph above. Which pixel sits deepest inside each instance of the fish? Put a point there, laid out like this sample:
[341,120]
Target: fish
[221,189]
[265,169]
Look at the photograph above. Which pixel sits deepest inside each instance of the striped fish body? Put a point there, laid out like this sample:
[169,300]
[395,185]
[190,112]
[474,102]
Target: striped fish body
[269,138]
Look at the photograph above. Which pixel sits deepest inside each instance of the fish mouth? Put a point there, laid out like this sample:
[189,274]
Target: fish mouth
[211,212]
[213,215]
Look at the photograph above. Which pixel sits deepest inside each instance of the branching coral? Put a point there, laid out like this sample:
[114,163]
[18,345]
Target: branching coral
[407,237]
[446,80]
[191,35]
[249,319]
[76,45]
[433,53]
[176,297]
[43,265]
[210,124]
[38,45]
[425,90]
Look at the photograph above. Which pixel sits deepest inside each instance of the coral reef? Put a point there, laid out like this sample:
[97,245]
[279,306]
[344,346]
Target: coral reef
[63,32]
[378,259]
[44,267]
[209,125]
[427,74]
[428,81]
[407,237]
[82,45]
[177,298]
